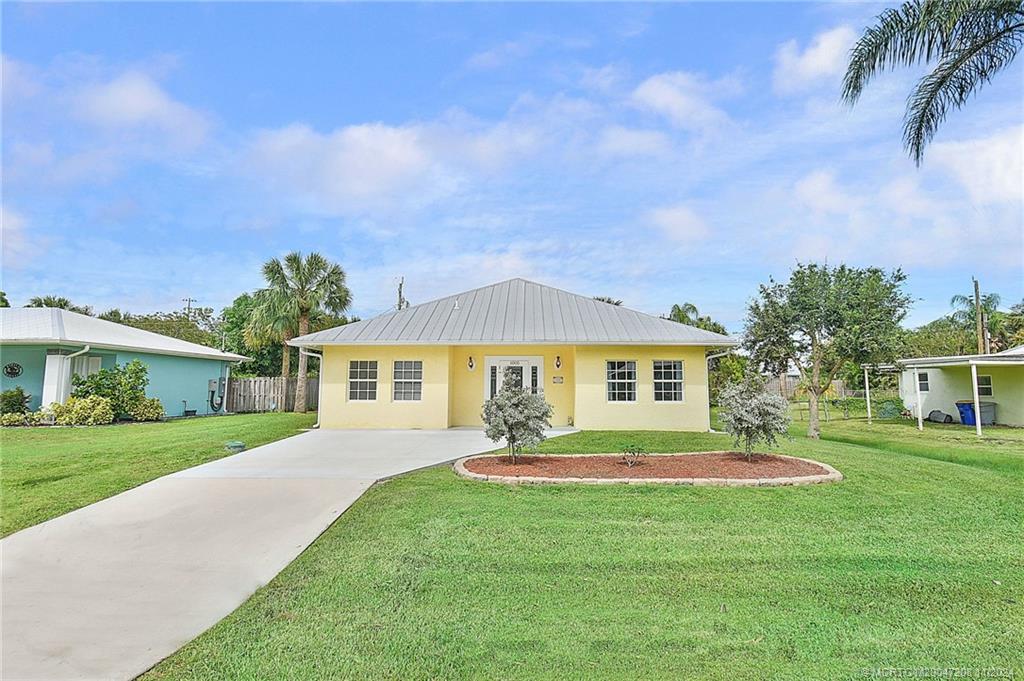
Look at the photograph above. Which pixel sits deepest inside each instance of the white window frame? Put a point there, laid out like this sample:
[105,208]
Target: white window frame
[354,382]
[608,380]
[525,361]
[415,383]
[922,385]
[655,381]
[990,387]
[87,365]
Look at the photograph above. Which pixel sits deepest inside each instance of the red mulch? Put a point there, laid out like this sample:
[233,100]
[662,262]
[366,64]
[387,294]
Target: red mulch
[703,465]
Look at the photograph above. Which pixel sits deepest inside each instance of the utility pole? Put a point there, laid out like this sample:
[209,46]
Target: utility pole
[979,323]
[402,302]
[188,306]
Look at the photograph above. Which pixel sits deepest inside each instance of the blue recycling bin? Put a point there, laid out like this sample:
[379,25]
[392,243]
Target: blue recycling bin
[966,410]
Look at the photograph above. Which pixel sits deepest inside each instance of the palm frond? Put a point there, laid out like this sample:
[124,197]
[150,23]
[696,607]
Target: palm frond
[957,77]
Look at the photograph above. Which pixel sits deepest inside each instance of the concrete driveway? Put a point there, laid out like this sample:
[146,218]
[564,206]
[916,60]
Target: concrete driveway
[107,591]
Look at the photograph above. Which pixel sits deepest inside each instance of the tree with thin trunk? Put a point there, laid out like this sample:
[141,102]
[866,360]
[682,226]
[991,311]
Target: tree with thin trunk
[299,288]
[969,41]
[822,318]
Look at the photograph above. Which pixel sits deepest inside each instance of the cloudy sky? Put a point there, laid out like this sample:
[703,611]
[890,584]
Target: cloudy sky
[656,154]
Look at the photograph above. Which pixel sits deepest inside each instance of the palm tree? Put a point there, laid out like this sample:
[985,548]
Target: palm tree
[298,288]
[971,41]
[963,307]
[688,314]
[59,302]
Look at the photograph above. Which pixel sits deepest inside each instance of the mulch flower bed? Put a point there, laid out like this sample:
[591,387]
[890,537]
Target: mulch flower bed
[728,465]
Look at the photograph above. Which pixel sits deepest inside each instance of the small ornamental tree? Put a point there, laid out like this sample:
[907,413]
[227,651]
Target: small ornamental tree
[752,414]
[516,415]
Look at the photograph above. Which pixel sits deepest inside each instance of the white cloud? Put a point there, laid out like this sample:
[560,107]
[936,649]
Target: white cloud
[602,79]
[348,169]
[619,141]
[15,247]
[133,100]
[822,60]
[679,223]
[20,82]
[820,192]
[990,168]
[686,99]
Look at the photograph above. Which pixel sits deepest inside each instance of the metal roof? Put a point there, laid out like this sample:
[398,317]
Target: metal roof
[1014,355]
[53,326]
[514,312]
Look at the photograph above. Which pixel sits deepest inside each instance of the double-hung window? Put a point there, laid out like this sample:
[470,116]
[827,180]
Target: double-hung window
[408,381]
[362,380]
[984,386]
[668,380]
[922,381]
[621,380]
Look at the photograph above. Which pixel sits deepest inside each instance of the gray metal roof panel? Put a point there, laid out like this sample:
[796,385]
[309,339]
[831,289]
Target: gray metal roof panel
[515,312]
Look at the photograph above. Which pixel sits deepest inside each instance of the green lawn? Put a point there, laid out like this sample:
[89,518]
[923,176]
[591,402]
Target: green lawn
[911,562]
[46,472]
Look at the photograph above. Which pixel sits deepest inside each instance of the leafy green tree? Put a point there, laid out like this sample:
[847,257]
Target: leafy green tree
[516,415]
[298,288]
[963,308]
[266,357]
[725,370]
[609,300]
[201,326]
[822,318]
[969,41]
[3,300]
[59,302]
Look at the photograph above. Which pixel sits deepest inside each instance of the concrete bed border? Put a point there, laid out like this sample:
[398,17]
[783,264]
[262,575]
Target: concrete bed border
[831,475]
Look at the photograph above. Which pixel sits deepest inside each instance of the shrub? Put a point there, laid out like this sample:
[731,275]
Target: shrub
[12,418]
[124,385]
[84,411]
[14,401]
[752,414]
[517,416]
[147,409]
[631,455]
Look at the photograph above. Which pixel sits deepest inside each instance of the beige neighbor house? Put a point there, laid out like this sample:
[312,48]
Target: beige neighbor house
[990,384]
[433,365]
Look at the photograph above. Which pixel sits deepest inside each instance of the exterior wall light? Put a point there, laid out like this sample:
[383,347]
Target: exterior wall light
[470,363]
[558,361]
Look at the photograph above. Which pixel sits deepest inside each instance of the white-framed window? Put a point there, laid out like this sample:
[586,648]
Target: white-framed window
[621,380]
[668,380]
[362,380]
[408,381]
[86,365]
[984,386]
[922,381]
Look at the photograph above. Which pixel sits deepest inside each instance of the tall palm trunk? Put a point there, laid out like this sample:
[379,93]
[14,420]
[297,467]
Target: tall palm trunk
[300,381]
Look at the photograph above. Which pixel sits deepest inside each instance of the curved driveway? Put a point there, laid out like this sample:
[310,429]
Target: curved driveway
[107,591]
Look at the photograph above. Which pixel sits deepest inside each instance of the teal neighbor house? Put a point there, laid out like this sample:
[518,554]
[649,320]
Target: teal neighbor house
[41,348]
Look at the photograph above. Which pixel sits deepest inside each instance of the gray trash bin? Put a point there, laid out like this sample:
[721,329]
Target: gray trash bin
[988,413]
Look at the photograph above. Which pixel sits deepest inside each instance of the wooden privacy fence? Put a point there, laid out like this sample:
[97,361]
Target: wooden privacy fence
[268,393]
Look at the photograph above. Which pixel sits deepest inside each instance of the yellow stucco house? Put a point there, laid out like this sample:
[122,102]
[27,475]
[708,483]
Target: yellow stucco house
[601,366]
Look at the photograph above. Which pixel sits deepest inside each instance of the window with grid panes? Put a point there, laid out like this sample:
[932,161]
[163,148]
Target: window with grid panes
[408,381]
[362,380]
[668,380]
[621,380]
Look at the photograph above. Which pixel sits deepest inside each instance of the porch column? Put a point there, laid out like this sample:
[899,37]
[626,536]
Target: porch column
[56,381]
[977,402]
[867,392]
[920,407]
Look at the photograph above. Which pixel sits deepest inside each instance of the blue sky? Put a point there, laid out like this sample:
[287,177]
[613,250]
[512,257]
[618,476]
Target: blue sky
[654,153]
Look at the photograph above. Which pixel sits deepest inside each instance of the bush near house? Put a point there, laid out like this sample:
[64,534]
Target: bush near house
[14,401]
[84,411]
[124,385]
[147,409]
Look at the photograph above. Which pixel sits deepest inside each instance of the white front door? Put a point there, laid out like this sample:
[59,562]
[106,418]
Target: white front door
[526,372]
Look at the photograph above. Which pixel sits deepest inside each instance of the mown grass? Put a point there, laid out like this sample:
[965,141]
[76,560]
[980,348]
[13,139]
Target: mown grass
[46,472]
[911,562]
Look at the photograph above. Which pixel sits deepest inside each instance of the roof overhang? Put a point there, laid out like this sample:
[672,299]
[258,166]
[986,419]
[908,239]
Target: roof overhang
[225,357]
[940,362]
[299,343]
